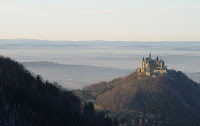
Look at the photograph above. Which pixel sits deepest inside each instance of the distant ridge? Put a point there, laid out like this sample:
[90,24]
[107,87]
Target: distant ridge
[194,76]
[74,76]
[33,63]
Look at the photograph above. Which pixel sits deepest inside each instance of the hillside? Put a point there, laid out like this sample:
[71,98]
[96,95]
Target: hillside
[171,99]
[29,100]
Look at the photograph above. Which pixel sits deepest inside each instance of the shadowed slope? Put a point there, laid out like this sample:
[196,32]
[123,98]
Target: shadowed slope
[171,99]
[29,100]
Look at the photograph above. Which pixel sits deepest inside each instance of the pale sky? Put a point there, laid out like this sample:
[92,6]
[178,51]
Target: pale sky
[126,20]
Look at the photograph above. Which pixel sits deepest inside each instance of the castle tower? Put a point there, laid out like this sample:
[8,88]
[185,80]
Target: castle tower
[143,65]
[157,59]
[150,56]
[162,64]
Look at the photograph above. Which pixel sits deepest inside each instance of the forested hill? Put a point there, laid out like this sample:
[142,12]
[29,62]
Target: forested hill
[27,100]
[171,99]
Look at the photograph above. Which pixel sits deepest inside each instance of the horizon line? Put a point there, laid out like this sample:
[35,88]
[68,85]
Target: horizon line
[101,40]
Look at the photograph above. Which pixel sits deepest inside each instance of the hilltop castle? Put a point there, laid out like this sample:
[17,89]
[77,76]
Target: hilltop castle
[152,67]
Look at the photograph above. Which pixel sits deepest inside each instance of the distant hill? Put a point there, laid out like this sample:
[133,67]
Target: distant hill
[74,76]
[171,99]
[28,100]
[194,76]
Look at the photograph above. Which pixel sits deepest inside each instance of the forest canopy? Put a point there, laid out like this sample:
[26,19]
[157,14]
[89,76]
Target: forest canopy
[27,99]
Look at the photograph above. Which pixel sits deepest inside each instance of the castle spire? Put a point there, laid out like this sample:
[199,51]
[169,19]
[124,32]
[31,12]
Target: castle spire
[150,55]
[157,58]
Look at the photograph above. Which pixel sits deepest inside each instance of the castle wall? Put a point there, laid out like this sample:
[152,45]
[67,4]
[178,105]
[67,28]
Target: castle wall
[160,71]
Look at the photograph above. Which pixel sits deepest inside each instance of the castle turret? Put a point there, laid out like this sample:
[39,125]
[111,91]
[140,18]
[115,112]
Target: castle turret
[157,59]
[150,56]
[162,65]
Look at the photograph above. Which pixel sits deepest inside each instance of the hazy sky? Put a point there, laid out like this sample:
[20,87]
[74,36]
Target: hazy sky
[129,20]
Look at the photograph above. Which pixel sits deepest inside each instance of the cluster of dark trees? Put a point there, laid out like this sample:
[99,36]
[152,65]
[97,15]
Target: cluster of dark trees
[26,99]
[170,99]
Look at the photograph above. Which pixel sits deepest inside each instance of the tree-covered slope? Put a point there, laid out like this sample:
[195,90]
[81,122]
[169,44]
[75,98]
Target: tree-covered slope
[27,100]
[171,99]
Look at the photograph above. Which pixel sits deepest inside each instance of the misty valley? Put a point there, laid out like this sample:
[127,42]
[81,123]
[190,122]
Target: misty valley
[75,64]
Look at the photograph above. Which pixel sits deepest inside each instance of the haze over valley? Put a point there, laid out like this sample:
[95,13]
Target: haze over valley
[74,76]
[75,64]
